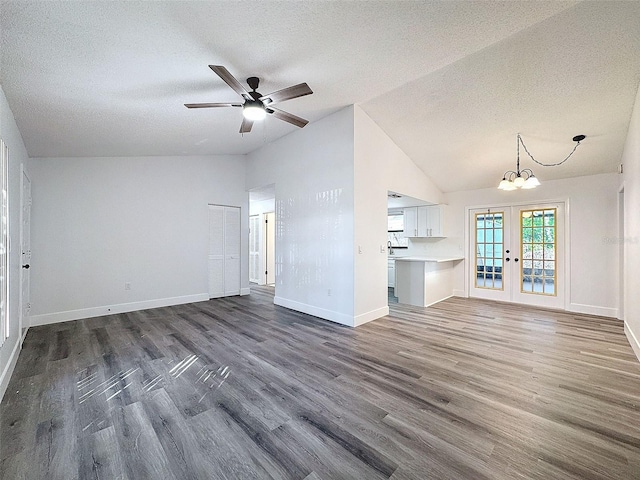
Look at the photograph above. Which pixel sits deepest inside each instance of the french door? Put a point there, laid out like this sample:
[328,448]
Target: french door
[517,254]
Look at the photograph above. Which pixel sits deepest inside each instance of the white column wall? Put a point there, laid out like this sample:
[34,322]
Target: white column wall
[100,222]
[17,157]
[312,169]
[631,162]
[379,166]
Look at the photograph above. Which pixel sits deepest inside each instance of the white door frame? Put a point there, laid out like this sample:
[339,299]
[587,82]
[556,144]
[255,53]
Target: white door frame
[505,205]
[24,323]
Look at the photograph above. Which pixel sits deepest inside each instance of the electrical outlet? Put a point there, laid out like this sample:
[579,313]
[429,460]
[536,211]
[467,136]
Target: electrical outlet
[127,286]
[329,292]
[359,248]
[383,249]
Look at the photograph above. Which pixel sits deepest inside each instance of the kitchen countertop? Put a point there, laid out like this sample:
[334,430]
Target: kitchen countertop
[430,259]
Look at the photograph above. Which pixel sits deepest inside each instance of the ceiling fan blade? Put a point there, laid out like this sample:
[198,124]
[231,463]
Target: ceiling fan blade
[287,117]
[230,80]
[288,93]
[246,125]
[211,105]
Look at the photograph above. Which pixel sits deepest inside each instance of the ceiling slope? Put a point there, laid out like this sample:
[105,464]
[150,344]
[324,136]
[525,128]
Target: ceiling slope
[88,78]
[574,73]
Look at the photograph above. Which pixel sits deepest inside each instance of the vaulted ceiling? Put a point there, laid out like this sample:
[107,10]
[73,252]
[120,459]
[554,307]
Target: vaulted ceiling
[451,82]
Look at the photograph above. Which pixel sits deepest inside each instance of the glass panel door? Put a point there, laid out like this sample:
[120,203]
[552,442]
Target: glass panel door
[541,238]
[532,271]
[489,242]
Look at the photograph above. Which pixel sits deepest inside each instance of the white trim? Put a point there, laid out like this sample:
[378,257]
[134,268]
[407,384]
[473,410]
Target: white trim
[460,293]
[370,316]
[633,340]
[245,291]
[57,317]
[593,310]
[10,366]
[323,313]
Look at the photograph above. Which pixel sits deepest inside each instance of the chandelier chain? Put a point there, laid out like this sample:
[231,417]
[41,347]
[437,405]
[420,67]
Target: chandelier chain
[520,141]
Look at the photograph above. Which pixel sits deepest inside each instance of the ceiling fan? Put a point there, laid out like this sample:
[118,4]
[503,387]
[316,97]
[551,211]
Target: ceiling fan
[256,106]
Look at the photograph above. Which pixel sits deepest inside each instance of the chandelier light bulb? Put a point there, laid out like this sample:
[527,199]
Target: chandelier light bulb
[518,182]
[531,182]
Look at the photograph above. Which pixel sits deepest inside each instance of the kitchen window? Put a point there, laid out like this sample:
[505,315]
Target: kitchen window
[395,231]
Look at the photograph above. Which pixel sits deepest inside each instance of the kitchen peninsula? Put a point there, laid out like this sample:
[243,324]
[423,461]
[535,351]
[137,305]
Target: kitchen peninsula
[423,281]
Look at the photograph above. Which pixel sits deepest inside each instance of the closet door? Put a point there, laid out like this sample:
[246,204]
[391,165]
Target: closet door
[231,251]
[254,249]
[224,251]
[216,251]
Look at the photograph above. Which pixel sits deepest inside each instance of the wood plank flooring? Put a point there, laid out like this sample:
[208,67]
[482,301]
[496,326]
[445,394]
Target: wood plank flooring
[239,388]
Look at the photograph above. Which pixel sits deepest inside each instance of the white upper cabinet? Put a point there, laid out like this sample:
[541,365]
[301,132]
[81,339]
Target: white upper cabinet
[425,221]
[411,222]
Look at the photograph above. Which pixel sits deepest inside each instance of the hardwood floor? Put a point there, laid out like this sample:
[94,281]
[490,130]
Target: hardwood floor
[239,388]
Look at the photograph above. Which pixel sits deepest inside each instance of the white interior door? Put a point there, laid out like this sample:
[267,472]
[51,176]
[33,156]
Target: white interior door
[517,254]
[270,247]
[25,238]
[216,251]
[232,250]
[254,249]
[224,251]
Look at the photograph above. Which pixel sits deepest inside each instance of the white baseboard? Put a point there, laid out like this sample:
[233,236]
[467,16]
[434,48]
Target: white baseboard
[593,310]
[323,313]
[11,364]
[245,291]
[633,340]
[57,317]
[438,301]
[459,293]
[369,316]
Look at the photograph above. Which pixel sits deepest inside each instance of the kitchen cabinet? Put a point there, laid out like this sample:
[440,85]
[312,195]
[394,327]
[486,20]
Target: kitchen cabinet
[424,222]
[391,273]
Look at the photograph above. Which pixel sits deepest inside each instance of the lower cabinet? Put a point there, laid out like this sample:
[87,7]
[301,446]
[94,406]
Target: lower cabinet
[392,273]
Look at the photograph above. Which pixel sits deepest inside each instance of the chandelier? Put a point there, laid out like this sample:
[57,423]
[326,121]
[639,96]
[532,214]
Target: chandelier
[525,179]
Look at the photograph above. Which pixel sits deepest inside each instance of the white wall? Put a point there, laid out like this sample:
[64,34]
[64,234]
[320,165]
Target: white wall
[100,222]
[379,166]
[312,169]
[593,224]
[631,162]
[17,156]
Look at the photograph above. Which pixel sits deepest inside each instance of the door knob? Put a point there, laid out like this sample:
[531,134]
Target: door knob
[507,259]
[27,266]
[515,259]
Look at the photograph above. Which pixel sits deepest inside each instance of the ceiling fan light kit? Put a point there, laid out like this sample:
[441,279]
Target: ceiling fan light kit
[253,111]
[525,179]
[256,106]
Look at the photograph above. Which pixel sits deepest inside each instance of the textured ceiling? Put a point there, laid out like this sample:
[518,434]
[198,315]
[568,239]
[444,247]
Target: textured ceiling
[451,82]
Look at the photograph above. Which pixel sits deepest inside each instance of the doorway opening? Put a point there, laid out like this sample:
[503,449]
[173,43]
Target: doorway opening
[262,236]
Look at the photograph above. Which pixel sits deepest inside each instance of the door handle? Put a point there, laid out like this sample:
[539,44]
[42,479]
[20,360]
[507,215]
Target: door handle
[507,259]
[27,266]
[515,259]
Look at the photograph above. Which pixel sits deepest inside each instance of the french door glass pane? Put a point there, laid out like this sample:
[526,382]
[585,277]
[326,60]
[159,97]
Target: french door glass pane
[538,251]
[489,246]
